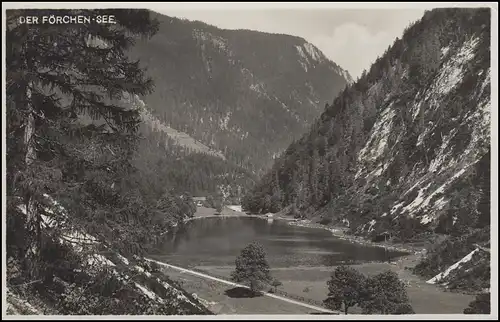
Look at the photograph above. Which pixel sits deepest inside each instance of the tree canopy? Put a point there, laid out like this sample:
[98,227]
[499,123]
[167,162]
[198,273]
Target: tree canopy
[344,288]
[252,268]
[385,293]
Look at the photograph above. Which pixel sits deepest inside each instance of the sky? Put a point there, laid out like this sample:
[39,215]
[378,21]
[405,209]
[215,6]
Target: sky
[352,38]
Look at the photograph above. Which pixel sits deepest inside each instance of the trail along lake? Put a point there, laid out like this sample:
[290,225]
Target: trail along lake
[302,258]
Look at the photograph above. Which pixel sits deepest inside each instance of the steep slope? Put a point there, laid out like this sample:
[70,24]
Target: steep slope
[460,263]
[184,170]
[246,94]
[84,275]
[463,273]
[173,159]
[405,150]
[151,122]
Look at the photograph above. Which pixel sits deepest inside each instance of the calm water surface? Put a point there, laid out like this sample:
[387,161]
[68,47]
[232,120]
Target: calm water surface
[218,241]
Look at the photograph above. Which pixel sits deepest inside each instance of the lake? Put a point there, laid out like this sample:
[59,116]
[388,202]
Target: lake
[218,241]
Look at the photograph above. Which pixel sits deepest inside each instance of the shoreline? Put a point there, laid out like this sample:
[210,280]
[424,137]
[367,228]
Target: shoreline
[339,233]
[222,216]
[336,231]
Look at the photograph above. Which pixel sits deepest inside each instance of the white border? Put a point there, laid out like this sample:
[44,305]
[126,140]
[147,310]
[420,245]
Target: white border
[280,5]
[245,5]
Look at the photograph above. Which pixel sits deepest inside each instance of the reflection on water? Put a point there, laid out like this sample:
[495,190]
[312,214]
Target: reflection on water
[217,242]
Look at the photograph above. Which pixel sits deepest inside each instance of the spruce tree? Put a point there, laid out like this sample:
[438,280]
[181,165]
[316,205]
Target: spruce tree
[70,134]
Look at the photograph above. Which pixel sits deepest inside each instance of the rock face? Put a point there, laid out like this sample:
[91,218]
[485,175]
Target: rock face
[405,150]
[243,94]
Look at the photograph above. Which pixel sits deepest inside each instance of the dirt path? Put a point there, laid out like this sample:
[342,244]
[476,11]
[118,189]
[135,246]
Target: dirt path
[206,276]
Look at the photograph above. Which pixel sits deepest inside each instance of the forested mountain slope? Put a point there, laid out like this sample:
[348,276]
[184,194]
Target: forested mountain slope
[169,159]
[405,150]
[244,94]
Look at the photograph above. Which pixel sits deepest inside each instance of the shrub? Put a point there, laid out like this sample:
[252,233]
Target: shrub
[325,221]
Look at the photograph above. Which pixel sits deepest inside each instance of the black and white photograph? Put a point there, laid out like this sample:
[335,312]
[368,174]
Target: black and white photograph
[249,160]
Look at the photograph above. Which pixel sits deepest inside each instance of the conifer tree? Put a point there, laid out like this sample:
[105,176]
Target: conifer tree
[70,133]
[252,267]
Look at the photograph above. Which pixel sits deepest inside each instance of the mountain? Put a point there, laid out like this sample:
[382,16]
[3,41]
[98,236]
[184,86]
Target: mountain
[239,94]
[403,152]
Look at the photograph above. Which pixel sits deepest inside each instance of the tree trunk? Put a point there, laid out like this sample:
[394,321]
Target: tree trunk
[253,288]
[32,217]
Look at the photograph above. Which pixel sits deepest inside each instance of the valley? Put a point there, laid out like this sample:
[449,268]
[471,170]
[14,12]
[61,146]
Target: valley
[165,166]
[228,90]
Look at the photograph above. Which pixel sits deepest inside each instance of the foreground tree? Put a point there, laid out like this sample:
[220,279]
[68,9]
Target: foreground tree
[385,293]
[70,134]
[481,305]
[344,288]
[252,268]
